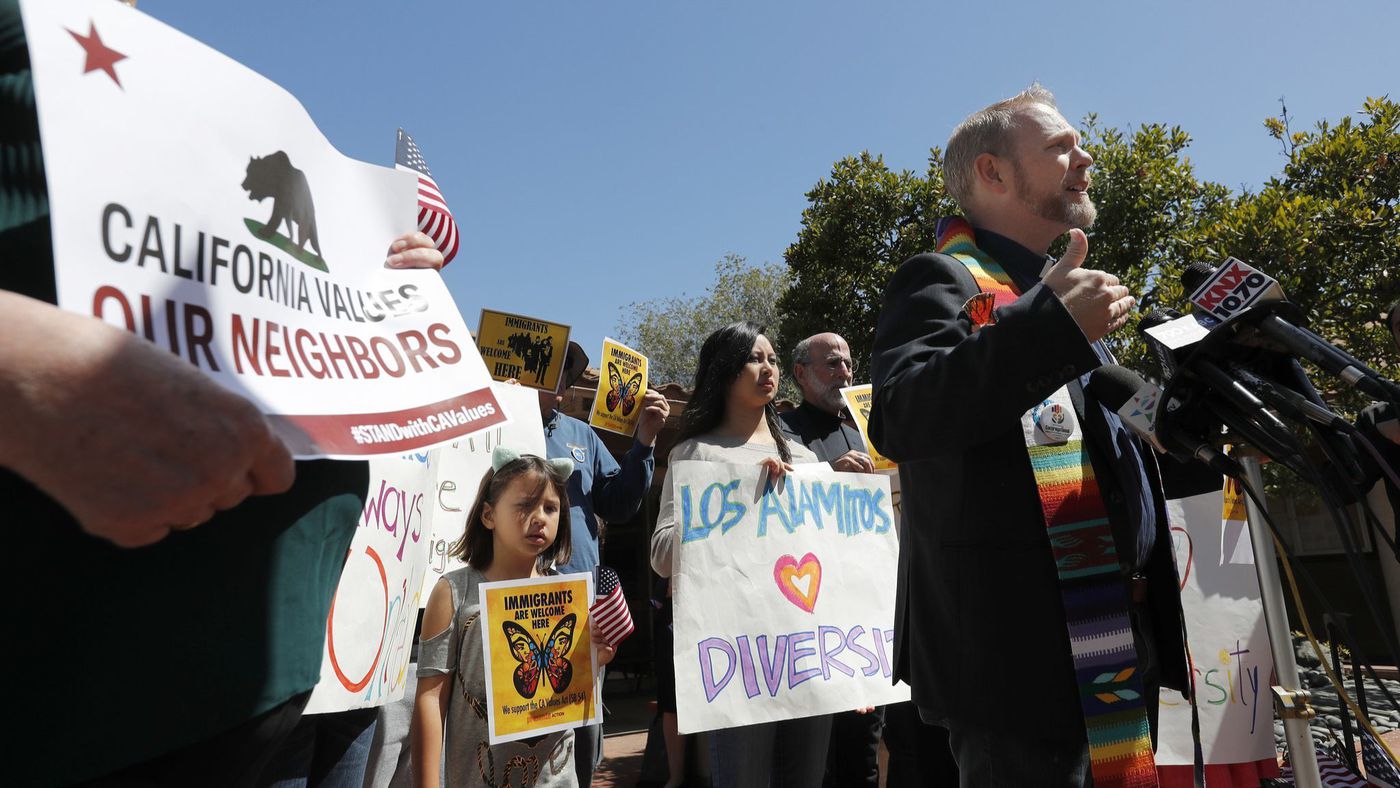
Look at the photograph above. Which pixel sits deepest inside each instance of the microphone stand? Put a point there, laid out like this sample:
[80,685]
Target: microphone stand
[1290,699]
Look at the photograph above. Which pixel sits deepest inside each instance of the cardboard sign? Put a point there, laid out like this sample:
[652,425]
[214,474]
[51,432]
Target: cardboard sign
[1229,645]
[195,203]
[618,404]
[784,597]
[858,403]
[538,648]
[527,349]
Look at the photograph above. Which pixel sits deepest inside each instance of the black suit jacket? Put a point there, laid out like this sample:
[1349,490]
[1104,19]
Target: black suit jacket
[979,626]
[827,436]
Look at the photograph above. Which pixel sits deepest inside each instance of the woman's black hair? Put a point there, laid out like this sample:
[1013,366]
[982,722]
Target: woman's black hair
[722,357]
[476,548]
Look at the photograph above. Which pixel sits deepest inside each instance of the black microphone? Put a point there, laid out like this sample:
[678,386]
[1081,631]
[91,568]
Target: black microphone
[1186,359]
[1172,335]
[1138,403]
[1166,360]
[1289,402]
[1244,297]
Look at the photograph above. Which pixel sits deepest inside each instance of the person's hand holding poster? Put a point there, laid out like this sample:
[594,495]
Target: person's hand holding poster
[195,203]
[618,404]
[537,644]
[858,403]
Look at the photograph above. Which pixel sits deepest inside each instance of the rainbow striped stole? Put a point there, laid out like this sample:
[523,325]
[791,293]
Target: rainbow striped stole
[1086,559]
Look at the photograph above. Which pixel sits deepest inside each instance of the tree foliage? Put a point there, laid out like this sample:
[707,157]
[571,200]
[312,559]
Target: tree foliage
[1328,228]
[670,331]
[860,224]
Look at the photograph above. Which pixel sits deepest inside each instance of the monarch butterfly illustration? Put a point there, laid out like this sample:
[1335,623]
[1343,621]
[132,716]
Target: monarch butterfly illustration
[535,659]
[626,393]
[979,310]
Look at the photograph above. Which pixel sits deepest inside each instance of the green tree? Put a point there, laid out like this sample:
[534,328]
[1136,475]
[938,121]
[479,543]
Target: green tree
[1328,228]
[861,222]
[669,331]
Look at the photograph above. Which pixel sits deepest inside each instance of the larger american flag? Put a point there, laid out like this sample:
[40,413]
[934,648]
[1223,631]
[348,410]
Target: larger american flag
[434,218]
[1332,768]
[1380,769]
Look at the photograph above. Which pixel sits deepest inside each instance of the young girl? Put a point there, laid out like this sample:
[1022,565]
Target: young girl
[731,418]
[518,528]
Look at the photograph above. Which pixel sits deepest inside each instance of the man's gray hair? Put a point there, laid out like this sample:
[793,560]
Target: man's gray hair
[801,354]
[987,130]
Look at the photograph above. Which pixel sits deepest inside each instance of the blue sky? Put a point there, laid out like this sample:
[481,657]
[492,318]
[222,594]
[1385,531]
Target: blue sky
[600,152]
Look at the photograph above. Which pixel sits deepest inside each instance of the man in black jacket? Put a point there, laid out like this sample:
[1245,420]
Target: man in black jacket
[821,365]
[961,391]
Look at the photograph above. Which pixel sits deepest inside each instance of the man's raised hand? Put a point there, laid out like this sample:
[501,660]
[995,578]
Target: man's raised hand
[1096,300]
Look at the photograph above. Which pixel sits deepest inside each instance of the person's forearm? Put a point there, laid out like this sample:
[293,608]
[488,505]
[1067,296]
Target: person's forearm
[27,326]
[425,741]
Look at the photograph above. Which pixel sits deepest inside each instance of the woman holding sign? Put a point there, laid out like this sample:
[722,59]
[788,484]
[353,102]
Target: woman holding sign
[731,418]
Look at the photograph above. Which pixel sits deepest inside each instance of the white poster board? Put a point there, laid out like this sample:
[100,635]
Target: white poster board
[369,633]
[1225,627]
[195,203]
[784,598]
[461,465]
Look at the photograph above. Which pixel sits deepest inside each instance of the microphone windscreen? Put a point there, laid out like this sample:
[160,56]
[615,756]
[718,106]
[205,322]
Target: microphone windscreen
[1156,318]
[1195,275]
[1113,385]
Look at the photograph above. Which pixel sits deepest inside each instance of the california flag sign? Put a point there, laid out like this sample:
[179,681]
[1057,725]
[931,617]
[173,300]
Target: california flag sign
[196,204]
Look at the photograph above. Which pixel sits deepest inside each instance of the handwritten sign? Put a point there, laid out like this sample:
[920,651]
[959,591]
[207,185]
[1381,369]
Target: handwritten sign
[858,403]
[784,597]
[232,234]
[369,633]
[527,349]
[621,385]
[538,648]
[1229,645]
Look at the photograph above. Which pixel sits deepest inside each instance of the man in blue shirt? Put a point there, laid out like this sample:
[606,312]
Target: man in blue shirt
[599,488]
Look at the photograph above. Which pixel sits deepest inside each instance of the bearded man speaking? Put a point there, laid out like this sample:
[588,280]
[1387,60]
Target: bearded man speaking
[1038,608]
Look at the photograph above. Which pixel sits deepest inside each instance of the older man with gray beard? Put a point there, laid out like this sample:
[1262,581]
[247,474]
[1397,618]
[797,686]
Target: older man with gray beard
[822,366]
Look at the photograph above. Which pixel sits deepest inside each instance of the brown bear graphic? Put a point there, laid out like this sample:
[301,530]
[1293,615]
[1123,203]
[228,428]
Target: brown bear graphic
[274,176]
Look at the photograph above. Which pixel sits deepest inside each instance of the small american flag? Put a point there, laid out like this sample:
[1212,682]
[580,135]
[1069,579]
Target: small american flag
[1333,769]
[434,218]
[611,619]
[1380,768]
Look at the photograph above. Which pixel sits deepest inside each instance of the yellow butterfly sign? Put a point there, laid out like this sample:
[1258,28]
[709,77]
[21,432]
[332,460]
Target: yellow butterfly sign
[538,648]
[621,386]
[858,403]
[528,349]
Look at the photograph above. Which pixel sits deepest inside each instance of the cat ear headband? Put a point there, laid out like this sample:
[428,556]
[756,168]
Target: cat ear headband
[502,456]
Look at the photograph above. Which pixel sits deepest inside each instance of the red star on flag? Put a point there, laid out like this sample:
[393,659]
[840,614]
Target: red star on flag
[99,55]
